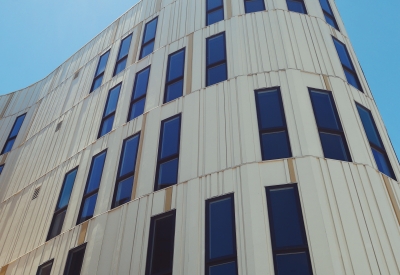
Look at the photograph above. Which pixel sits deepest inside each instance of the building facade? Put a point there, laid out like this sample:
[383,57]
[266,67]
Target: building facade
[211,137]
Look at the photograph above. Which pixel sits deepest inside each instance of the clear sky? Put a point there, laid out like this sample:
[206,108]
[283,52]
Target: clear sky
[38,35]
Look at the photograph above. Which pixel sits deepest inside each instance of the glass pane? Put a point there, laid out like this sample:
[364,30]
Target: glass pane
[343,55]
[174,91]
[129,153]
[102,63]
[275,146]
[8,146]
[216,74]
[97,82]
[352,79]
[137,109]
[296,6]
[17,126]
[120,66]
[106,126]
[382,163]
[1,168]
[369,126]
[324,110]
[168,173]
[150,31]
[333,146]
[124,49]
[124,191]
[142,79]
[56,224]
[176,65]
[254,5]
[88,208]
[46,269]
[224,269]
[170,137]
[215,16]
[325,6]
[270,113]
[293,264]
[75,262]
[331,21]
[96,172]
[146,50]
[215,49]
[67,189]
[112,100]
[212,4]
[285,220]
[221,228]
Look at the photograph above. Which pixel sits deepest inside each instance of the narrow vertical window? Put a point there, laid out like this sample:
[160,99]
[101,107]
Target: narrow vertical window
[149,36]
[274,136]
[62,204]
[328,13]
[221,256]
[160,251]
[126,171]
[45,269]
[92,187]
[138,99]
[74,262]
[175,71]
[254,5]
[123,55]
[1,168]
[375,141]
[215,11]
[347,64]
[101,67]
[288,237]
[168,153]
[330,129]
[109,111]
[13,134]
[296,6]
[216,59]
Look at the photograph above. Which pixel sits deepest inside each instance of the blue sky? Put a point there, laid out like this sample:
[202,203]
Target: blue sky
[38,35]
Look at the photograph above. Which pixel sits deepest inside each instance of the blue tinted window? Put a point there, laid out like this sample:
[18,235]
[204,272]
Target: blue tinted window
[128,158]
[296,6]
[1,168]
[352,78]
[217,74]
[223,269]
[212,4]
[17,126]
[88,208]
[324,111]
[124,48]
[275,145]
[325,6]
[254,5]
[170,137]
[112,100]
[66,189]
[56,224]
[168,173]
[216,49]
[141,82]
[215,16]
[147,49]
[106,126]
[383,163]
[331,21]
[120,66]
[8,146]
[174,82]
[149,38]
[101,67]
[369,126]
[293,264]
[137,109]
[174,91]
[269,108]
[97,82]
[343,54]
[124,191]
[96,172]
[333,146]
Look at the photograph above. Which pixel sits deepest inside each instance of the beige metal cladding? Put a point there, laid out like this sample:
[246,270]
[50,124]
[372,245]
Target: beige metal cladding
[350,210]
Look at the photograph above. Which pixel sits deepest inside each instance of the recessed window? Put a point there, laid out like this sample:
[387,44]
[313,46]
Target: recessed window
[215,11]
[168,153]
[149,37]
[160,251]
[330,129]
[216,59]
[45,269]
[328,13]
[74,262]
[13,134]
[101,67]
[123,55]
[175,72]
[109,111]
[288,237]
[1,168]
[138,99]
[126,171]
[92,187]
[221,256]
[62,204]
[296,6]
[254,5]
[375,141]
[274,136]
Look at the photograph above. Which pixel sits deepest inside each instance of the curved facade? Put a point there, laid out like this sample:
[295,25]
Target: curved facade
[255,141]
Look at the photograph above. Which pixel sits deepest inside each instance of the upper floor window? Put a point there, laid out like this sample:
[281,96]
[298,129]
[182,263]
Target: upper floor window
[101,68]
[175,72]
[149,36]
[74,262]
[296,6]
[216,59]
[122,57]
[328,13]
[138,99]
[13,134]
[1,168]
[45,269]
[215,11]
[109,111]
[254,5]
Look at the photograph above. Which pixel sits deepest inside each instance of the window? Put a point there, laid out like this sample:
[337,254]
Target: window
[92,188]
[175,71]
[254,5]
[160,252]
[215,11]
[101,67]
[328,13]
[216,59]
[126,171]
[109,111]
[139,94]
[149,36]
[296,6]
[123,55]
[168,153]
[272,125]
[330,129]
[288,237]
[62,204]
[45,269]
[1,168]
[221,256]
[347,65]
[75,260]
[375,141]
[13,134]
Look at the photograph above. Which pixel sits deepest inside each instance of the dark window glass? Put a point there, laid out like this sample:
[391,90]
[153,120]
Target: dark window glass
[45,269]
[138,99]
[149,36]
[275,145]
[175,72]
[1,168]
[254,5]
[215,11]
[74,262]
[109,111]
[161,245]
[13,134]
[325,113]
[328,13]
[216,59]
[223,269]
[296,6]
[289,241]
[101,67]
[67,189]
[123,55]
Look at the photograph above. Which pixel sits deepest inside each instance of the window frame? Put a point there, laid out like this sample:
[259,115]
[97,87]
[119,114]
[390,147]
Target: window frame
[175,80]
[70,254]
[104,118]
[49,262]
[133,101]
[299,1]
[121,59]
[10,138]
[97,76]
[245,6]
[150,41]
[208,11]
[225,61]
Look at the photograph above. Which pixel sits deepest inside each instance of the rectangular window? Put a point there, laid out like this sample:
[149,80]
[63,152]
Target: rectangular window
[74,262]
[1,168]
[13,134]
[330,129]
[347,64]
[160,252]
[45,269]
[123,55]
[92,187]
[62,204]
[328,13]
[126,171]
[109,111]
[221,256]
[274,136]
[296,6]
[168,153]
[139,94]
[288,237]
[175,72]
[375,141]
[215,11]
[216,59]
[149,36]
[254,5]
[101,67]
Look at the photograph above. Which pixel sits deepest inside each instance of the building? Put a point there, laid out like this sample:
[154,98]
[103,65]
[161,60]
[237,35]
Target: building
[202,137]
